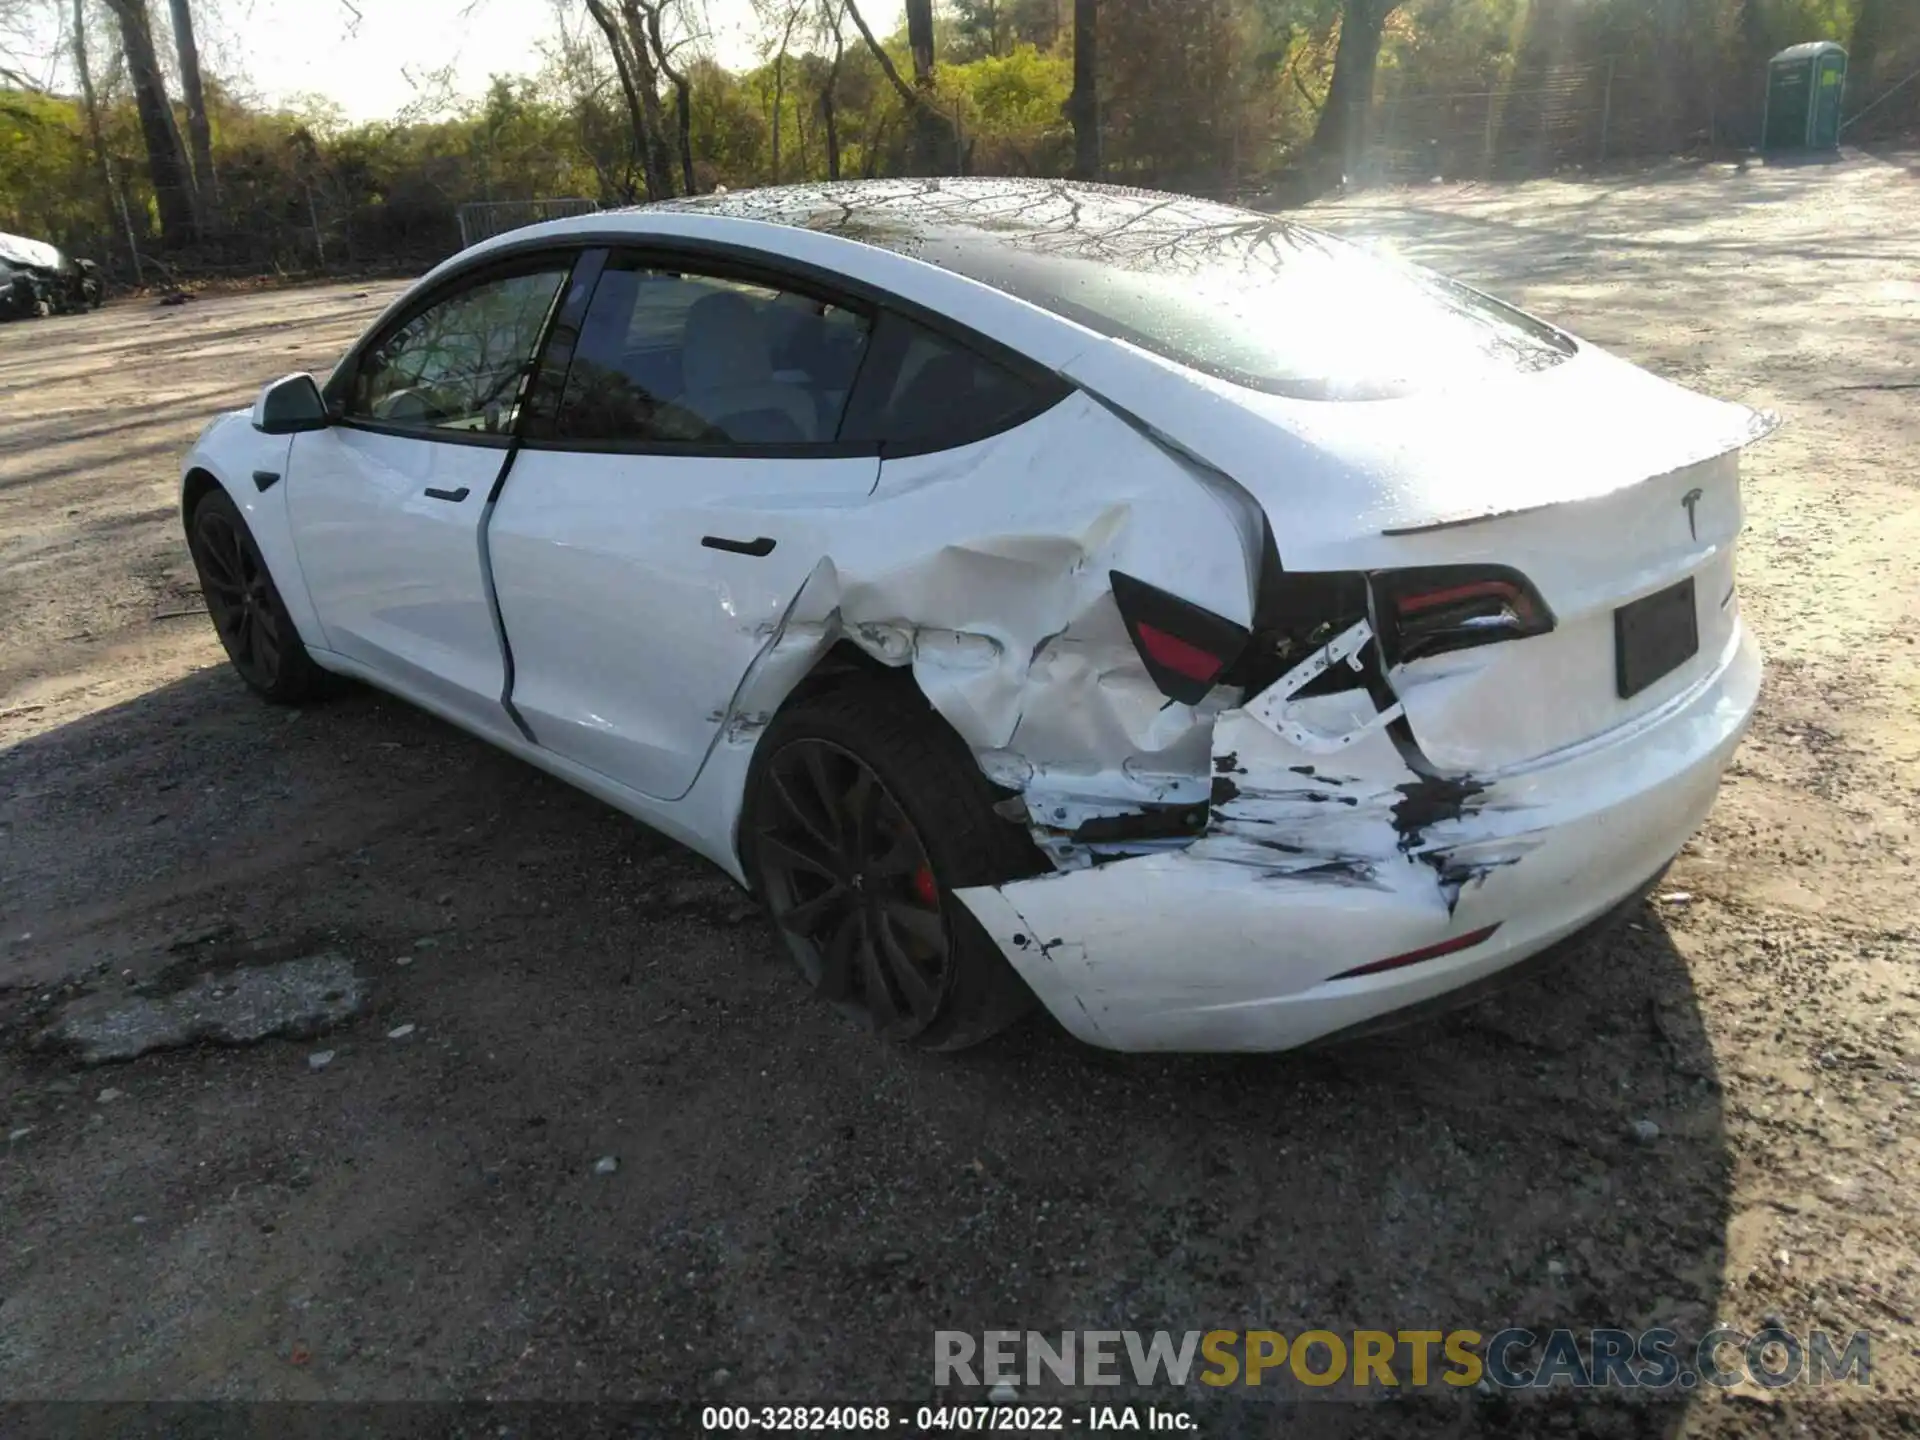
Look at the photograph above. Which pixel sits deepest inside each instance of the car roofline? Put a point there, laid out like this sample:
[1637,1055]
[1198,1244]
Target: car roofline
[916,287]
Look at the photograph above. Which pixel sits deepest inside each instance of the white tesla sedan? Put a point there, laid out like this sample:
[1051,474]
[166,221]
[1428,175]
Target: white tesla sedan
[1030,589]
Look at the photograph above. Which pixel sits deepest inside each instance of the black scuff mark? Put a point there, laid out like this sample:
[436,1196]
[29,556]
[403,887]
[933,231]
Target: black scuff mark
[1340,871]
[1284,847]
[1228,764]
[1456,877]
[1225,792]
[1431,800]
[1313,774]
[1020,940]
[1337,869]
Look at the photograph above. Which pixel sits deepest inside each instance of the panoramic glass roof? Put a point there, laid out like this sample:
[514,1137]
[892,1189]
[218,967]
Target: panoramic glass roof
[1252,298]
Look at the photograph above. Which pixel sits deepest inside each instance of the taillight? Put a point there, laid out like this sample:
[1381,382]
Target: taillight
[1434,609]
[1422,610]
[1185,649]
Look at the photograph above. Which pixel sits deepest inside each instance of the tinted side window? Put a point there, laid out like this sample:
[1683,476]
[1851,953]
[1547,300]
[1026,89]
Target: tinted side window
[924,391]
[669,356]
[460,364]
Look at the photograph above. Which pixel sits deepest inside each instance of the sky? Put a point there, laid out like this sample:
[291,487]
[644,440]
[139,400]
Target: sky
[374,66]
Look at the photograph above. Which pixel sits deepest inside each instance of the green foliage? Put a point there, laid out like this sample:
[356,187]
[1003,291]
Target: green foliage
[1022,90]
[1208,94]
[1010,110]
[43,165]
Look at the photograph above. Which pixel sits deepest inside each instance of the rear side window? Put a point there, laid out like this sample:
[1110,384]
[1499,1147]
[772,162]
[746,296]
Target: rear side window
[922,390]
[669,356]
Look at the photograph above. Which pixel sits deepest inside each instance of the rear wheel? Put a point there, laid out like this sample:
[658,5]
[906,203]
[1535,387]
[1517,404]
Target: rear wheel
[864,814]
[246,609]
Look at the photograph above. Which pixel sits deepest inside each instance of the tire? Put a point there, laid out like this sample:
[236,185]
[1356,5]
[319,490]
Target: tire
[854,897]
[245,605]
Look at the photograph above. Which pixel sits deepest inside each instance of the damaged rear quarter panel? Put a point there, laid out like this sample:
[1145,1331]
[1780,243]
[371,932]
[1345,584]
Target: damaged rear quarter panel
[1009,625]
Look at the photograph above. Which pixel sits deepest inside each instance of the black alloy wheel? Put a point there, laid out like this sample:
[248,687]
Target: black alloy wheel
[244,606]
[235,583]
[851,886]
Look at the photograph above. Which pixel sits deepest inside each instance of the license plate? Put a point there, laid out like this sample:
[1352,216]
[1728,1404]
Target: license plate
[1654,636]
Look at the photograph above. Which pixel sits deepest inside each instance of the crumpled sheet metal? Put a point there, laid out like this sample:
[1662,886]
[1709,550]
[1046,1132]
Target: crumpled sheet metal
[1013,638]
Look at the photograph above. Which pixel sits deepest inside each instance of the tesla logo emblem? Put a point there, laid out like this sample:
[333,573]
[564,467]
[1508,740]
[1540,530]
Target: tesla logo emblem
[1691,499]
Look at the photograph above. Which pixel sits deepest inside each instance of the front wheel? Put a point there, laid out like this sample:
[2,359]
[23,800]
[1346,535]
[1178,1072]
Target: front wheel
[244,605]
[864,814]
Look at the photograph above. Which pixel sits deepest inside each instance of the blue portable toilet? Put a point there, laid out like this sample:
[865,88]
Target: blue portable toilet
[1804,87]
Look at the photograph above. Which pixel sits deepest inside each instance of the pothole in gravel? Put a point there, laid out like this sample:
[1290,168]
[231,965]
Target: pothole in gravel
[296,998]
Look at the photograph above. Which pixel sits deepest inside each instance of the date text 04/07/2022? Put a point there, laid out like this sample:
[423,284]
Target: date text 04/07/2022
[943,1419]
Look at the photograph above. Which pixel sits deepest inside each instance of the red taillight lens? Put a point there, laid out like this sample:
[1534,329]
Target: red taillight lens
[1414,957]
[1185,648]
[1454,607]
[1177,655]
[1504,593]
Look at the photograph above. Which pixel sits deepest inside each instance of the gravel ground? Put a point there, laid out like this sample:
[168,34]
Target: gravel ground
[539,984]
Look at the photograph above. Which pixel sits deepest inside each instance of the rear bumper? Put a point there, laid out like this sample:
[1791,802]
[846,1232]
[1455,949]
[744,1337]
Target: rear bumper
[1241,940]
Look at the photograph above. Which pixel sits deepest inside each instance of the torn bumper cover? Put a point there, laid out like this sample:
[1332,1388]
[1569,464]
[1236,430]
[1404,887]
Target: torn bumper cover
[1269,930]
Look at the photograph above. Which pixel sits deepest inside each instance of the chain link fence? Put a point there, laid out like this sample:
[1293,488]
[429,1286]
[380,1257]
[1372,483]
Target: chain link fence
[1566,117]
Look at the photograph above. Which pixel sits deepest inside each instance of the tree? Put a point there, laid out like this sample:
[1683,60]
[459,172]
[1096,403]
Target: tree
[90,105]
[793,9]
[624,64]
[1869,24]
[934,142]
[1341,132]
[985,28]
[191,91]
[830,14]
[166,160]
[677,77]
[920,43]
[646,79]
[1083,105]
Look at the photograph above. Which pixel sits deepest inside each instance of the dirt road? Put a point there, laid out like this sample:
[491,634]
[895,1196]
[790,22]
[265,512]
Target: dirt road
[797,1207]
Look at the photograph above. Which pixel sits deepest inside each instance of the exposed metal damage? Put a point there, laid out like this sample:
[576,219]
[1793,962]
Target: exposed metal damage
[1323,787]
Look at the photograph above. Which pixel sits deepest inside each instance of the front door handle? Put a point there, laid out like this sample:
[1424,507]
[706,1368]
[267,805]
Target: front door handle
[761,546]
[460,494]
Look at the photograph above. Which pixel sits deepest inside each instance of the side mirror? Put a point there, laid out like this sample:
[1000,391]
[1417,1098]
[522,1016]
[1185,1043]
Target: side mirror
[289,405]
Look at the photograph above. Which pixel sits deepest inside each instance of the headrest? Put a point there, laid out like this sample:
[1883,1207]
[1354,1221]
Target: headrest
[725,343]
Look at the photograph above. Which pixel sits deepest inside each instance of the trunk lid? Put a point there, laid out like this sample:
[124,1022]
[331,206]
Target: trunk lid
[1600,483]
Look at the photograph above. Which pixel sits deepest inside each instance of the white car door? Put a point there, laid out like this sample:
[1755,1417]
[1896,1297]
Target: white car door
[656,527]
[387,502]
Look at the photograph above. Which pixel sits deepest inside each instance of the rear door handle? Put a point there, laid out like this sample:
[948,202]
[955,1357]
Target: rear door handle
[761,546]
[460,494]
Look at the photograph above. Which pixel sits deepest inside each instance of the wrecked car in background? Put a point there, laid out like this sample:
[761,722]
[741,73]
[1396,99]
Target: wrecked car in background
[1031,589]
[39,279]
[20,294]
